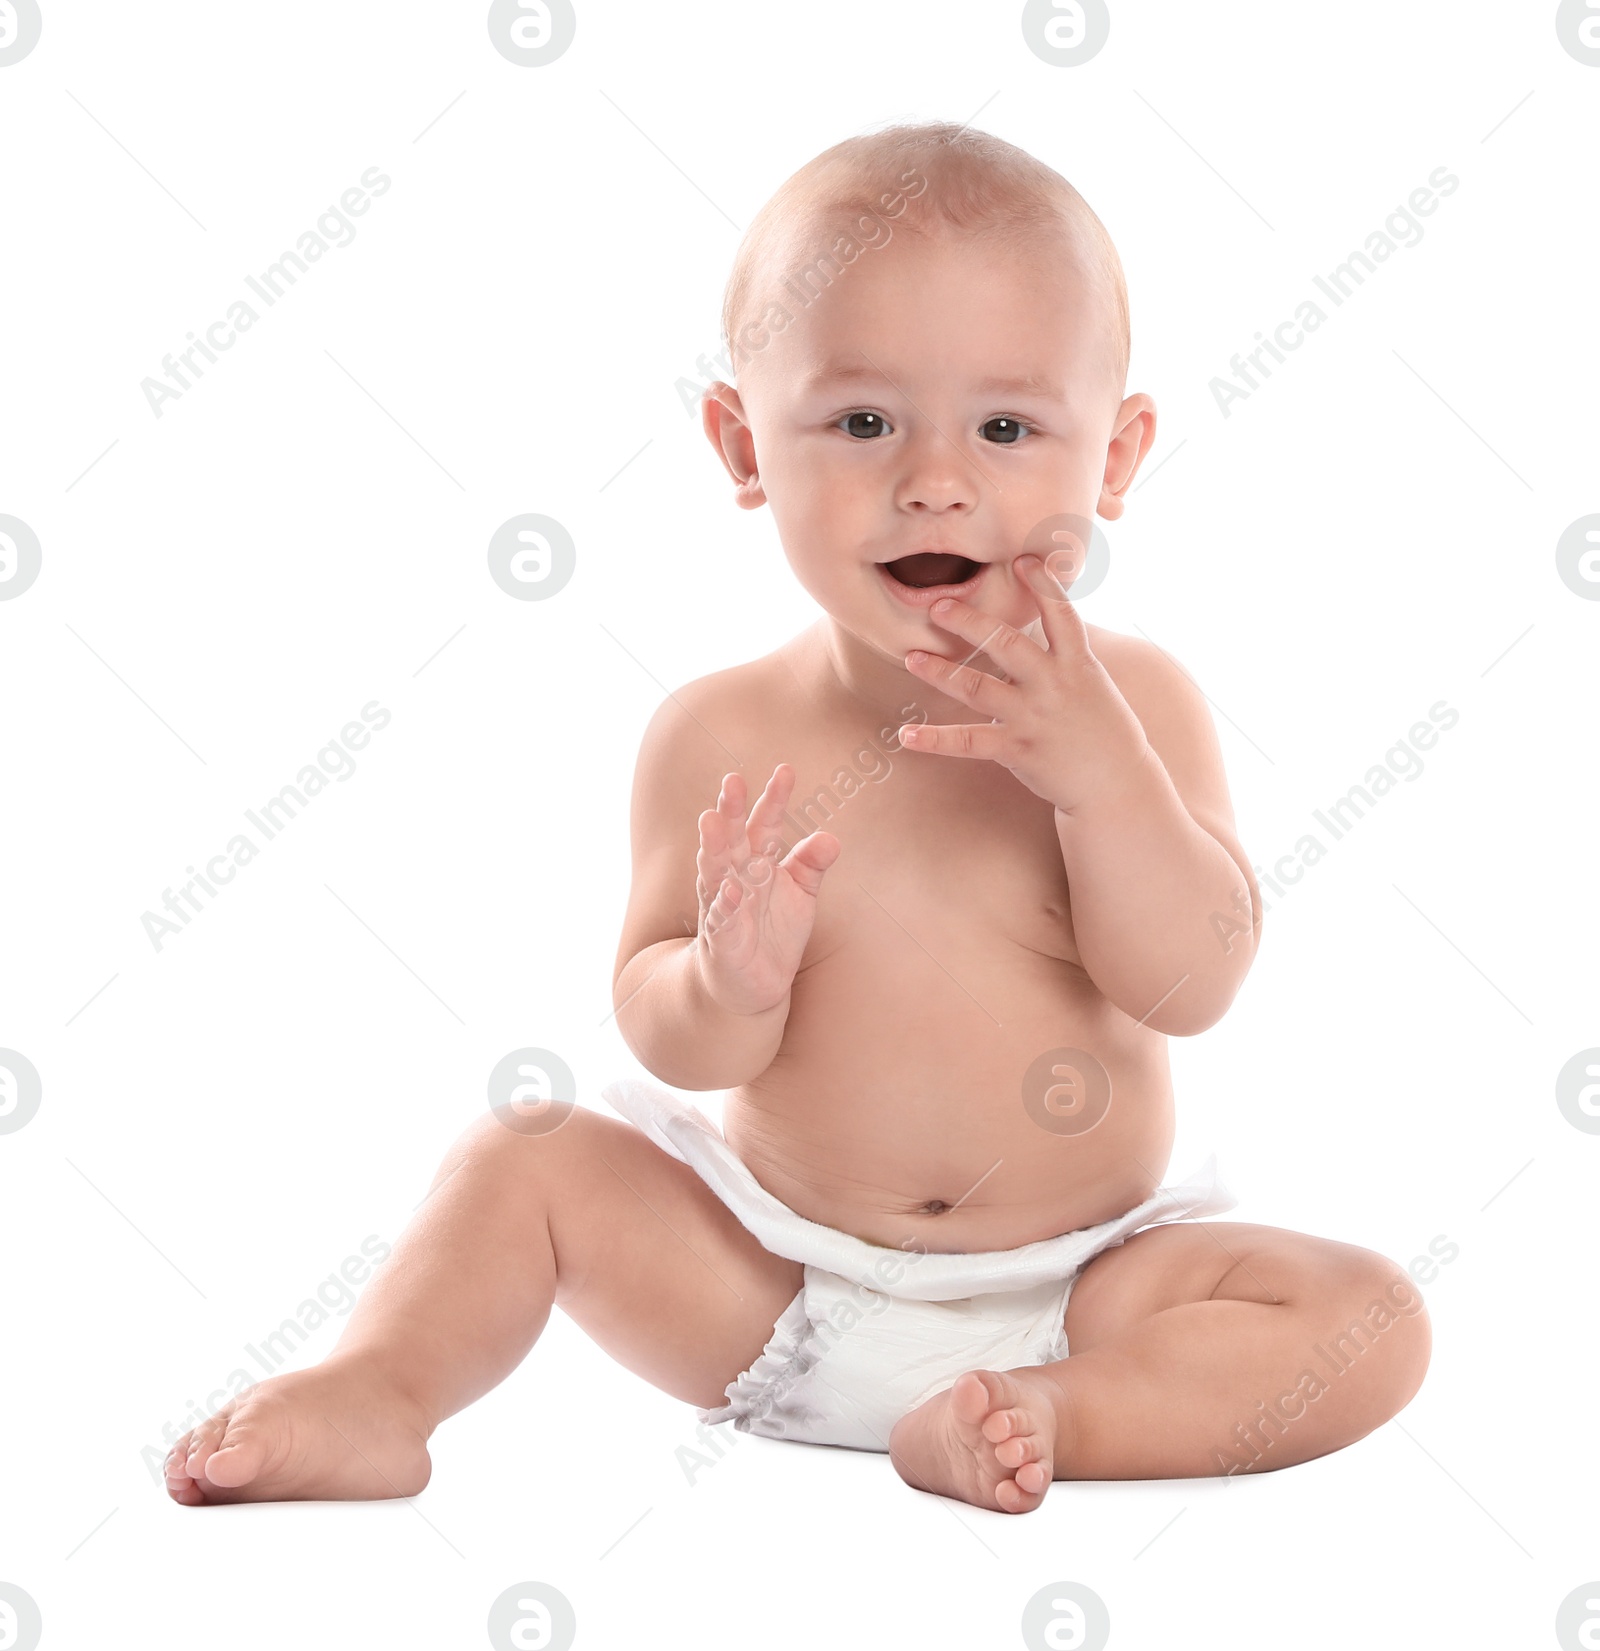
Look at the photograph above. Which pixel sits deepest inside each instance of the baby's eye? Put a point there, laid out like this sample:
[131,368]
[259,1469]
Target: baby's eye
[870,425]
[1007,431]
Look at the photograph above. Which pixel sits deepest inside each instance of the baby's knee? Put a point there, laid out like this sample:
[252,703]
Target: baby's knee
[1380,1306]
[529,1144]
[1384,1285]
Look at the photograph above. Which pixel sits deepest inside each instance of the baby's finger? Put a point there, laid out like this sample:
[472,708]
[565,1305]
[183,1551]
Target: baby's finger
[1017,655]
[963,739]
[731,798]
[1063,625]
[986,694]
[731,806]
[810,858]
[765,817]
[713,861]
[724,906]
[717,826]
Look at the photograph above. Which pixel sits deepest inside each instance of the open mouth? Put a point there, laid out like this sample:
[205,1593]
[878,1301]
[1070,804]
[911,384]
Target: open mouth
[928,568]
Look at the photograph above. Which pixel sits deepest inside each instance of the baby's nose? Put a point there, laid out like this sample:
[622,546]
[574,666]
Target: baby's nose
[939,477]
[938,489]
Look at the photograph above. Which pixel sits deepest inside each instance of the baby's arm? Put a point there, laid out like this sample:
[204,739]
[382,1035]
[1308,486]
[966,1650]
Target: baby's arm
[704,1006]
[1116,735]
[1164,902]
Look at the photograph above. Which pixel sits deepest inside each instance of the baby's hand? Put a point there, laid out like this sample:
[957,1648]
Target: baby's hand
[756,911]
[1057,721]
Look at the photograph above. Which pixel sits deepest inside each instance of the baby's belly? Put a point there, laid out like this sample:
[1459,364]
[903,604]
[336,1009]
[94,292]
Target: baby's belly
[901,1108]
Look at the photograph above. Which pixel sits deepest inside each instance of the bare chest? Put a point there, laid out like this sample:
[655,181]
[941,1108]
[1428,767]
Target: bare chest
[958,856]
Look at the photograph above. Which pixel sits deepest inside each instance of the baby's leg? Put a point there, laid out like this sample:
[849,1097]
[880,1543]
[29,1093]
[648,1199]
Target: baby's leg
[593,1216]
[1197,1348]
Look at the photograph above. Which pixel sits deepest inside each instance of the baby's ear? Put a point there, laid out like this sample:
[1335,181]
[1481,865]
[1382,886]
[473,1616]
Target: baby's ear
[723,418]
[1131,440]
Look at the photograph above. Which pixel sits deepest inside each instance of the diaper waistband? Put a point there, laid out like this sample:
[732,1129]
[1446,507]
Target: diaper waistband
[682,1130]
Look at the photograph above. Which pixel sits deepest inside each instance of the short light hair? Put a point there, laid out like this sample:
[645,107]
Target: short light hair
[976,184]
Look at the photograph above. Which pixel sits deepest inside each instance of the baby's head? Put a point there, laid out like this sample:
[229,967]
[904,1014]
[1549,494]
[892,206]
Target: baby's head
[929,331]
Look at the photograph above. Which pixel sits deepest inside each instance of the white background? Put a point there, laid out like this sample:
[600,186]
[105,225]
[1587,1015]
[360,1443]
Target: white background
[222,588]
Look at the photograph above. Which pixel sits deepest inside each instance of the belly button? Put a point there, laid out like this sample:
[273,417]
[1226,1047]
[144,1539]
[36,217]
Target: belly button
[934,1206]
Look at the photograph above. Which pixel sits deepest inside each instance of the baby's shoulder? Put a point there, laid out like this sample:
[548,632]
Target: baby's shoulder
[722,702]
[713,724]
[1163,694]
[1134,663]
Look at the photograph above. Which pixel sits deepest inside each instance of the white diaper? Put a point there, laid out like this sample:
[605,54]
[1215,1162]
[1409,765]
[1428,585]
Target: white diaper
[874,1331]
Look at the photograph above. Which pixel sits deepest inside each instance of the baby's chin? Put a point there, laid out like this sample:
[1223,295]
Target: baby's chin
[893,650]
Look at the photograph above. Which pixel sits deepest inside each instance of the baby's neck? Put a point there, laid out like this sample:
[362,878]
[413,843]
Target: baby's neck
[841,664]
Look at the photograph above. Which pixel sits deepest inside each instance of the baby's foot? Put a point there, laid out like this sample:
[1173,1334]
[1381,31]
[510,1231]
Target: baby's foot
[331,1434]
[989,1440]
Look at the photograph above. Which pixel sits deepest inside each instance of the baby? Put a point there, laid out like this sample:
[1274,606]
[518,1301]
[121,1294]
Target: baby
[988,869]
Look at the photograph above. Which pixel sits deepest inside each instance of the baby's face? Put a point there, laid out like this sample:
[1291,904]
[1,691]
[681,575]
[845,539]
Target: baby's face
[917,425]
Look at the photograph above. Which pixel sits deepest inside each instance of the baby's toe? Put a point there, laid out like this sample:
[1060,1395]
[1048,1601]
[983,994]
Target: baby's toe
[1026,1491]
[178,1454]
[239,1456]
[1023,1447]
[973,1397]
[1003,1424]
[1033,1478]
[202,1442]
[180,1485]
